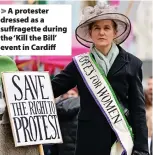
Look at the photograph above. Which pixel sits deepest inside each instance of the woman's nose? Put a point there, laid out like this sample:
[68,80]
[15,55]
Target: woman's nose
[101,32]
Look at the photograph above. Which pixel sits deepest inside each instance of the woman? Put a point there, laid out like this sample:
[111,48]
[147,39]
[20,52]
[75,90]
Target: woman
[108,79]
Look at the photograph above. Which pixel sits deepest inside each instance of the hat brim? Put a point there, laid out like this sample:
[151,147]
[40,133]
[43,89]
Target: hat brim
[123,28]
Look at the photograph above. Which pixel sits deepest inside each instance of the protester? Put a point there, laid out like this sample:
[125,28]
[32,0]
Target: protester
[67,111]
[71,93]
[148,104]
[109,80]
[149,88]
[7,146]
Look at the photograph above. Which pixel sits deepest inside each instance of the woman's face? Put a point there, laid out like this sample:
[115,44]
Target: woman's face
[102,33]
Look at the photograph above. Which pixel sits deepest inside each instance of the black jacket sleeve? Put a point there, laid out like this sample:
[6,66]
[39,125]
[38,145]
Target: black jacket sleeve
[65,80]
[137,111]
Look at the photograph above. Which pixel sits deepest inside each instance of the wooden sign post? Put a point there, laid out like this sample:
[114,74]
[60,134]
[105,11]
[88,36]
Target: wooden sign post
[31,108]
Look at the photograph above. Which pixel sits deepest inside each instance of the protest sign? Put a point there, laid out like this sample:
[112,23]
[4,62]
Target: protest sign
[31,108]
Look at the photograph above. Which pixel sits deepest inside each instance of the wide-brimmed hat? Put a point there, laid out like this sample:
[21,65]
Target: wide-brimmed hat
[102,11]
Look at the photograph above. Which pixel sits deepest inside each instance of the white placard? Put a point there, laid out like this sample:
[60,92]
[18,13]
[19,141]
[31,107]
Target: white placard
[31,108]
[35,29]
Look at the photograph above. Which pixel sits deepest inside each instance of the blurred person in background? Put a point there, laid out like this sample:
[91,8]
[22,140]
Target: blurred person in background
[148,104]
[67,110]
[149,88]
[107,79]
[71,93]
[6,137]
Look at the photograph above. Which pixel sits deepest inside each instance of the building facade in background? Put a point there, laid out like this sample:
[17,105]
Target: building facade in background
[143,30]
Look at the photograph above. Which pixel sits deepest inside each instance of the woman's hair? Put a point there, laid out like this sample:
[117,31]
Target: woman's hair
[114,25]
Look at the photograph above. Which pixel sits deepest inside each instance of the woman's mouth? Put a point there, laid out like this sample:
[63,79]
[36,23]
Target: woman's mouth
[101,39]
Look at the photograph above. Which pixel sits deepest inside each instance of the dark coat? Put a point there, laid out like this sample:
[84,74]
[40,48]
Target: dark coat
[95,136]
[67,111]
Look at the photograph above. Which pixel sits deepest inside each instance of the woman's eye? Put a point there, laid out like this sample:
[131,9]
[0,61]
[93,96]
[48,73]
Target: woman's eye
[107,28]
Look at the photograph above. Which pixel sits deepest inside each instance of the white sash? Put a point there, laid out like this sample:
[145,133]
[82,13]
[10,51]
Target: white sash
[105,98]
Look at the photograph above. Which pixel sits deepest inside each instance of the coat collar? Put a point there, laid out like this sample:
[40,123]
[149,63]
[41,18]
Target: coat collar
[120,61]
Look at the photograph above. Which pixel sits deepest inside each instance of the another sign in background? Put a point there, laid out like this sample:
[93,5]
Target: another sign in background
[31,108]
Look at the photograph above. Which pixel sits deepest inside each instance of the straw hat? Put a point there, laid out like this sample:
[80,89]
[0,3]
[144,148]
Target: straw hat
[102,11]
